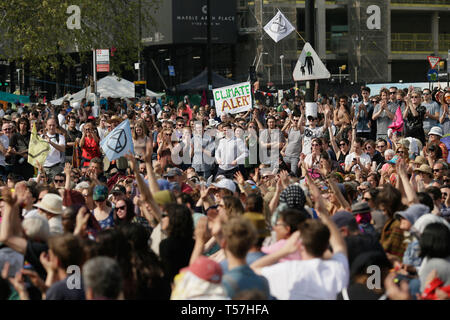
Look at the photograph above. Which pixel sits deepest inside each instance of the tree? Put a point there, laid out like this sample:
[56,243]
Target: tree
[36,31]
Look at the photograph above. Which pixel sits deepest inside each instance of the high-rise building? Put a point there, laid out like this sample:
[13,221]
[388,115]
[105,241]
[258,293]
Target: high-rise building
[378,40]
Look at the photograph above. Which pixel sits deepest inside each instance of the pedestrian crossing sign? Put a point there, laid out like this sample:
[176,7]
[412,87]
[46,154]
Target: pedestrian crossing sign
[309,66]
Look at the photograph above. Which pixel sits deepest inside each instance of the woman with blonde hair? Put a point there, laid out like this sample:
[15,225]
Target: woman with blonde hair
[140,136]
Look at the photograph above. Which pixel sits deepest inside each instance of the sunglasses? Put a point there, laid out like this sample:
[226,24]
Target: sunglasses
[436,170]
[120,208]
[315,145]
[383,146]
[58,180]
[415,97]
[367,199]
[164,215]
[342,144]
[392,92]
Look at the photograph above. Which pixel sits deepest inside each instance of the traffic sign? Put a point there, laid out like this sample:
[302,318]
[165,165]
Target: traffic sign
[433,61]
[309,66]
[171,71]
[140,89]
[433,75]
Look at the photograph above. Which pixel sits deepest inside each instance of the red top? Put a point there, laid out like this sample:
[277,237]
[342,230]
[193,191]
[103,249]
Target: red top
[90,149]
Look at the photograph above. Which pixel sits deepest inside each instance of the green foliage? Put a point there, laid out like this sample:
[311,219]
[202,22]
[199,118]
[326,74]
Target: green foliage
[35,31]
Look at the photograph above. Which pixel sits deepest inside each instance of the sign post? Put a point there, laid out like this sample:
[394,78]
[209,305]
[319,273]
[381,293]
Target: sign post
[102,57]
[140,89]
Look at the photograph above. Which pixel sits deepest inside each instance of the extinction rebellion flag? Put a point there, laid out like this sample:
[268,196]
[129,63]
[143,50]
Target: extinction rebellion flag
[233,99]
[279,27]
[38,149]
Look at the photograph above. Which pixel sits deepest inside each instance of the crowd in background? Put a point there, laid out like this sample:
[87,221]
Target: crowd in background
[278,202]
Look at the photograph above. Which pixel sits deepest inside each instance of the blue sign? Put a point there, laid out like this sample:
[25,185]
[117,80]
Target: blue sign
[433,75]
[171,71]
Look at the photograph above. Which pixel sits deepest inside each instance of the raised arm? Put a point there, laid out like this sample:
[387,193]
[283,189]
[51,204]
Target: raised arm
[411,195]
[143,189]
[9,219]
[152,181]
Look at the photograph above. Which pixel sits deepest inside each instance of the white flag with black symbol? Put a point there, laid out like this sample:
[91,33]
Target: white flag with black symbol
[118,142]
[279,27]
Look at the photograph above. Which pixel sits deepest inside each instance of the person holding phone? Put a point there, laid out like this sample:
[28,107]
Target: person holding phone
[90,145]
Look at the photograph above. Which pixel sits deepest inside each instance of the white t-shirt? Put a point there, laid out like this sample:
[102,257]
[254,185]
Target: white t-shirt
[4,140]
[314,279]
[61,119]
[54,156]
[308,135]
[364,158]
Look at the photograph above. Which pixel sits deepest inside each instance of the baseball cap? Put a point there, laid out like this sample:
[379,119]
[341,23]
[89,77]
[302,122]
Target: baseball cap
[100,193]
[206,269]
[163,197]
[343,218]
[173,172]
[119,189]
[226,184]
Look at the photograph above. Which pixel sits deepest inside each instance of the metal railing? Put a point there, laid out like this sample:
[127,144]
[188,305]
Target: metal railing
[425,2]
[418,42]
[400,43]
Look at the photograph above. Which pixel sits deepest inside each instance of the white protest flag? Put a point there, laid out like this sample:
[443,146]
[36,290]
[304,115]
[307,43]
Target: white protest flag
[118,142]
[279,27]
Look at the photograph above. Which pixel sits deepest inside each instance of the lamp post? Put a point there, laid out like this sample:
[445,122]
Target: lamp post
[282,73]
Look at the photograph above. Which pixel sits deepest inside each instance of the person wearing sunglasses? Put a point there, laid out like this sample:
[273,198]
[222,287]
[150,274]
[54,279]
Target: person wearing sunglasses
[440,170]
[414,114]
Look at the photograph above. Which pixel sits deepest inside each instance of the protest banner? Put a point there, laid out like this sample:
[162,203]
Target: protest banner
[233,99]
[38,149]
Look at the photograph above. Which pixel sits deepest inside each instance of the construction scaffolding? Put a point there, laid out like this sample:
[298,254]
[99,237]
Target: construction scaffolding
[274,62]
[368,40]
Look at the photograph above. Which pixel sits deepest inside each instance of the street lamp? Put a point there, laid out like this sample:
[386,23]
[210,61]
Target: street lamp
[282,74]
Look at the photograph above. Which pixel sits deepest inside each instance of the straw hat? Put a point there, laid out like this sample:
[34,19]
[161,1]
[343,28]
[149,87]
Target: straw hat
[51,203]
[115,118]
[424,168]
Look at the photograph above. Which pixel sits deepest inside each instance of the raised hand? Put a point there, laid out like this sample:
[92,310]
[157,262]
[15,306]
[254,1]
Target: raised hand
[202,232]
[68,169]
[149,150]
[50,265]
[81,221]
[132,161]
[239,178]
[292,243]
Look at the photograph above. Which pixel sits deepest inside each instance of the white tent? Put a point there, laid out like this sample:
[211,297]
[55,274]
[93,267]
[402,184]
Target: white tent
[109,86]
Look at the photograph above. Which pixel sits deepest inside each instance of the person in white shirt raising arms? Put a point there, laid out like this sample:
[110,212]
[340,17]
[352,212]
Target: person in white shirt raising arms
[230,153]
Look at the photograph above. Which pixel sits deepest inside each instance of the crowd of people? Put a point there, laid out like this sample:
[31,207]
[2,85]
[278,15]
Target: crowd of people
[349,201]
